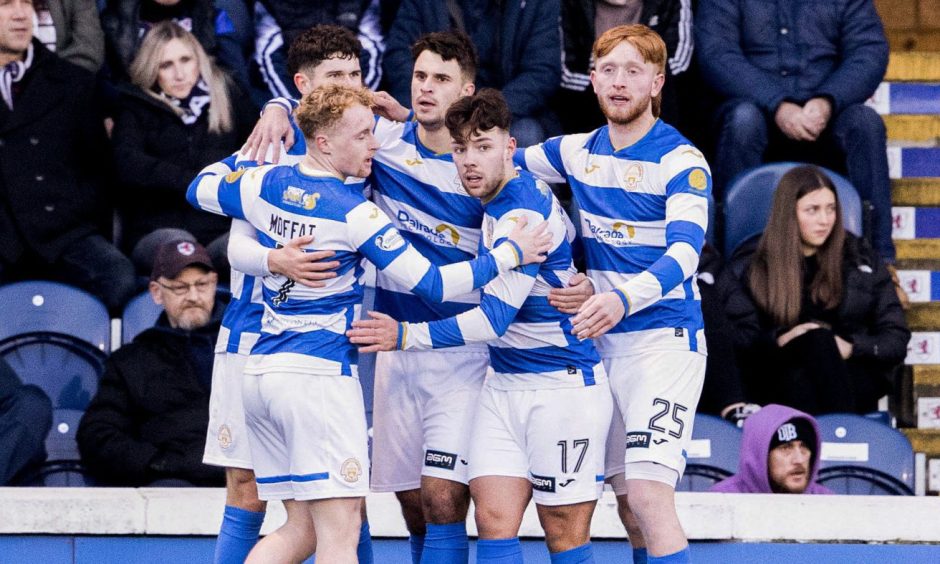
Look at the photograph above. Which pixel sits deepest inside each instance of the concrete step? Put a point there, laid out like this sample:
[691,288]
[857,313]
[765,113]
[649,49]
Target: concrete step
[906,98]
[924,317]
[910,162]
[916,250]
[921,285]
[915,192]
[922,129]
[913,66]
[915,223]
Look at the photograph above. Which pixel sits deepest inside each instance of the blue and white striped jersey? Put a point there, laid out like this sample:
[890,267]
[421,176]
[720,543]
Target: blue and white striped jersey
[530,342]
[644,212]
[303,329]
[241,324]
[422,193]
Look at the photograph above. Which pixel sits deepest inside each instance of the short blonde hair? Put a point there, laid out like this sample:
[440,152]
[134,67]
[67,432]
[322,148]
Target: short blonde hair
[324,106]
[650,45]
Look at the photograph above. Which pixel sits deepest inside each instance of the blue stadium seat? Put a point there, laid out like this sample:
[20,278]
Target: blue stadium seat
[712,454]
[864,457]
[57,338]
[139,315]
[749,197]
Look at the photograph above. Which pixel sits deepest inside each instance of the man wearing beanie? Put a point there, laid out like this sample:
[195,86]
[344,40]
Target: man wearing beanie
[779,454]
[147,423]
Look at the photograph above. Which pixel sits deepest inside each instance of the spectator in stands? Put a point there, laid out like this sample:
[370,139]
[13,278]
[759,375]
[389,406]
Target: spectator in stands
[279,22]
[180,114]
[779,454]
[518,47]
[795,77]
[584,20]
[147,423]
[832,329]
[730,327]
[72,30]
[25,420]
[53,158]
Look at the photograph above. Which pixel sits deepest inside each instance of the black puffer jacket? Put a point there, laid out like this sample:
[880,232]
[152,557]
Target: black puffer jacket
[157,156]
[149,418]
[869,316]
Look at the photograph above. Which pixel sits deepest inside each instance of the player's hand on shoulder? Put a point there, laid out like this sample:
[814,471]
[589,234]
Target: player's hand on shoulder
[533,243]
[598,315]
[569,299]
[273,127]
[380,333]
[307,268]
[385,105]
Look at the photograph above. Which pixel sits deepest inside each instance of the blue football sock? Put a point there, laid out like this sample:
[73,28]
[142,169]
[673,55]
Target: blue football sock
[238,535]
[417,546]
[681,557]
[639,556]
[501,551]
[446,544]
[583,554]
[364,551]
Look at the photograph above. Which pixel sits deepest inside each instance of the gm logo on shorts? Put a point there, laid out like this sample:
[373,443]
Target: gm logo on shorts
[638,440]
[543,483]
[438,459]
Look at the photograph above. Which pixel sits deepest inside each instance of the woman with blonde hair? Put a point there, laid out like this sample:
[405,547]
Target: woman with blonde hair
[832,328]
[179,114]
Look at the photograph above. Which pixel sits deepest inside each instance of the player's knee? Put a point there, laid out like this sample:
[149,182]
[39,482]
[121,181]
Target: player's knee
[448,504]
[648,498]
[412,511]
[242,489]
[492,523]
[566,527]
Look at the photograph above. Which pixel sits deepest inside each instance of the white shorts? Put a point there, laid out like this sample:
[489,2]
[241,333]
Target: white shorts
[307,435]
[554,438]
[226,438]
[422,414]
[655,397]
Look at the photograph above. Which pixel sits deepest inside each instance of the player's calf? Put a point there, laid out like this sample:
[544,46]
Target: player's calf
[241,490]
[444,501]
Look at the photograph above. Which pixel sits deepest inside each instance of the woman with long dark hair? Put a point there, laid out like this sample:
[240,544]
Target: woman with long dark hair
[832,328]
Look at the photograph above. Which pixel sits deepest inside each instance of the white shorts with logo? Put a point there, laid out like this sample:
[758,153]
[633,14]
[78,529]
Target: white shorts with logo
[422,415]
[655,397]
[555,438]
[307,435]
[227,438]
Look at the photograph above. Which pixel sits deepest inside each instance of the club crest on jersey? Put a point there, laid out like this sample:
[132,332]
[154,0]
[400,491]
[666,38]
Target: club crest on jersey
[698,180]
[543,483]
[351,470]
[390,240]
[299,198]
[225,437]
[634,175]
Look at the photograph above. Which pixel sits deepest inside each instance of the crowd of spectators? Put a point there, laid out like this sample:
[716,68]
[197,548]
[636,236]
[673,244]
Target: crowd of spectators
[105,121]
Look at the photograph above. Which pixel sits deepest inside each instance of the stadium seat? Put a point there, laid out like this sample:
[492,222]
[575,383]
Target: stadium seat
[139,315]
[57,338]
[749,197]
[864,457]
[712,455]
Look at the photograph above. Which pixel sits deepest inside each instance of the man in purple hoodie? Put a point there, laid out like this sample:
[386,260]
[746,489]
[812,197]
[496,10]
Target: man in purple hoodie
[779,454]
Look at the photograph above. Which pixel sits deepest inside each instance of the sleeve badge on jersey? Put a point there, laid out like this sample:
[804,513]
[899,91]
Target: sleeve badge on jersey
[390,240]
[235,174]
[698,180]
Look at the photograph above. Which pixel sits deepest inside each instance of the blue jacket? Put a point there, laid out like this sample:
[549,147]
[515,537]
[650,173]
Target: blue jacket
[529,68]
[771,51]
